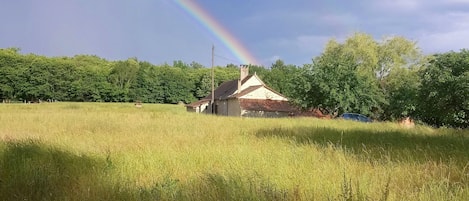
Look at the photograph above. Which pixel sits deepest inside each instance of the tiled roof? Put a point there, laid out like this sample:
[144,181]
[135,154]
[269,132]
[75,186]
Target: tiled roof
[224,90]
[246,79]
[228,88]
[266,105]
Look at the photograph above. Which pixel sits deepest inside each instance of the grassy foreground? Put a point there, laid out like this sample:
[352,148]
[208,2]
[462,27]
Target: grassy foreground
[97,151]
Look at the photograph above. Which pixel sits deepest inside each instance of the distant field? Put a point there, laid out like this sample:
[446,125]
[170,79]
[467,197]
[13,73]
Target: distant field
[110,151]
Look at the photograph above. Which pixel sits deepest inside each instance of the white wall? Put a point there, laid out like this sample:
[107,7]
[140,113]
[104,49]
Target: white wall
[253,81]
[263,93]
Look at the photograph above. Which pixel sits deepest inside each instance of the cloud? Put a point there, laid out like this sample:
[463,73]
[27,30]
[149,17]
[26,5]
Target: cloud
[449,32]
[444,42]
[398,5]
[311,43]
[271,60]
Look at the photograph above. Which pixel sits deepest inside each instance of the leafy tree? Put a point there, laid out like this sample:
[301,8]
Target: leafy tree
[337,83]
[91,85]
[397,52]
[402,86]
[10,67]
[380,57]
[175,85]
[91,79]
[259,70]
[196,65]
[444,94]
[37,79]
[147,87]
[123,74]
[351,76]
[231,66]
[180,64]
[225,74]
[203,86]
[281,76]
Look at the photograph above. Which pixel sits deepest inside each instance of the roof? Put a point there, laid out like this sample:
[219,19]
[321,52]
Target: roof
[266,105]
[246,79]
[227,89]
[198,103]
[224,90]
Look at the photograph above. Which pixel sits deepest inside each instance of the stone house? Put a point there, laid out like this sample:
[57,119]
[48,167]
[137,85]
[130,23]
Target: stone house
[247,96]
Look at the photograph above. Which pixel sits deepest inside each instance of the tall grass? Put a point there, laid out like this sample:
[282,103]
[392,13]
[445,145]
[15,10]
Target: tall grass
[107,151]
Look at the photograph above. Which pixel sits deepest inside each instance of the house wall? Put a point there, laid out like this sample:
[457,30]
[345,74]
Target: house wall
[263,93]
[252,113]
[222,107]
[234,108]
[253,81]
[191,109]
[203,108]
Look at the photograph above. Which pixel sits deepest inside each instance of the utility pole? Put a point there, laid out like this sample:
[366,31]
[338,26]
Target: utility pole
[213,80]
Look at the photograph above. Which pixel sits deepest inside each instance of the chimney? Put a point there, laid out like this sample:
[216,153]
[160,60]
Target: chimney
[244,72]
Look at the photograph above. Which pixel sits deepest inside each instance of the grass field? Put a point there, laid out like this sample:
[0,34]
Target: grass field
[108,151]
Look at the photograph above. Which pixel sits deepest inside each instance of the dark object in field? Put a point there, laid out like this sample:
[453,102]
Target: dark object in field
[355,117]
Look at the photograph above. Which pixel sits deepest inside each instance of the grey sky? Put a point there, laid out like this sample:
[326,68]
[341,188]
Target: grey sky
[159,31]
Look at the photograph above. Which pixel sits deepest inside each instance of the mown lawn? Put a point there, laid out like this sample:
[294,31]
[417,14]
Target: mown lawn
[110,151]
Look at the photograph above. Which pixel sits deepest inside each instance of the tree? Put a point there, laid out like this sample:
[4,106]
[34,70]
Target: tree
[10,67]
[335,85]
[148,86]
[175,85]
[180,64]
[444,94]
[351,76]
[380,57]
[123,74]
[203,86]
[397,52]
[401,88]
[196,65]
[281,76]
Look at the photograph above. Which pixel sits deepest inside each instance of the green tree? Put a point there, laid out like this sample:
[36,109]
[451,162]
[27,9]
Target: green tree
[147,87]
[122,76]
[180,64]
[397,52]
[337,83]
[402,86]
[444,94]
[351,76]
[175,85]
[91,79]
[37,79]
[203,86]
[10,67]
[281,77]
[380,57]
[196,65]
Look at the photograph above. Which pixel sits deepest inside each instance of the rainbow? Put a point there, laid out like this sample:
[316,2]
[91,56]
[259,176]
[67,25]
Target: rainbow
[231,42]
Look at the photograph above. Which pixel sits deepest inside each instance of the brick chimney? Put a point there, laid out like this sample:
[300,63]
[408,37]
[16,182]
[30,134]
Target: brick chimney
[244,71]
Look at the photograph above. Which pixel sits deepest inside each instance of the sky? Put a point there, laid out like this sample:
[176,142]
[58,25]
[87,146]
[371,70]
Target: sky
[162,31]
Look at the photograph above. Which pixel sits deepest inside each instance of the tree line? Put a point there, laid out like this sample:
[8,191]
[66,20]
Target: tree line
[386,79]
[93,79]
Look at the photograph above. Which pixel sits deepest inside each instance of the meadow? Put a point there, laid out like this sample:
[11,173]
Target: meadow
[114,151]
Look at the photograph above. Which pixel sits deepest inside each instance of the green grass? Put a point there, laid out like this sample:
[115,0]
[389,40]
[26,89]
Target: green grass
[111,151]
